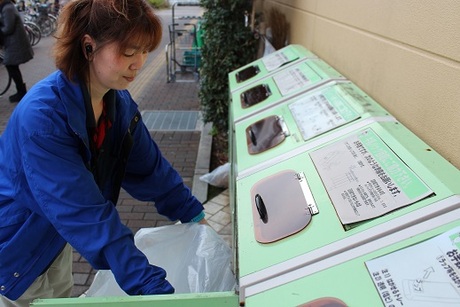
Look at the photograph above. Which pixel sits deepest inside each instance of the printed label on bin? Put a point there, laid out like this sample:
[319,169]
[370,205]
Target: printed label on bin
[318,113]
[295,79]
[278,58]
[365,178]
[422,275]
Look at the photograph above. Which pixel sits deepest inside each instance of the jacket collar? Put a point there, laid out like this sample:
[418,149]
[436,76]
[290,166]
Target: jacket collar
[109,101]
[72,97]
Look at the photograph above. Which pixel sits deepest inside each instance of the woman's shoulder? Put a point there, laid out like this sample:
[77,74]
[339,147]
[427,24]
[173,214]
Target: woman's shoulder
[46,88]
[56,83]
[7,7]
[54,93]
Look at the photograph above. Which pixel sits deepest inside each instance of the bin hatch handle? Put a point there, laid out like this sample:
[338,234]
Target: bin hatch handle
[252,136]
[261,208]
[307,193]
[283,126]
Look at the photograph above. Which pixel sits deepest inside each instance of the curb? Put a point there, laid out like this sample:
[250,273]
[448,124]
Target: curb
[203,159]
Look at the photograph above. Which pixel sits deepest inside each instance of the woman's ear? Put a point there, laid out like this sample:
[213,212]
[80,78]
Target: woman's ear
[87,46]
[88,49]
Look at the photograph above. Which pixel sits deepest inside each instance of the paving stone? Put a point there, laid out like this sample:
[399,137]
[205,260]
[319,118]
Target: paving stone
[222,218]
[212,208]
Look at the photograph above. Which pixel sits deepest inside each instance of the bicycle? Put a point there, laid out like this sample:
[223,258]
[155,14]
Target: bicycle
[33,31]
[39,13]
[5,83]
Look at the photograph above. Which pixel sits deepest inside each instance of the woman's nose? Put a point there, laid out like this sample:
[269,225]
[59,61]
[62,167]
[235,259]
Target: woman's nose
[139,61]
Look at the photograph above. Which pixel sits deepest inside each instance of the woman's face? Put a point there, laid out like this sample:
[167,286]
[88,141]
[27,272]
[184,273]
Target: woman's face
[111,70]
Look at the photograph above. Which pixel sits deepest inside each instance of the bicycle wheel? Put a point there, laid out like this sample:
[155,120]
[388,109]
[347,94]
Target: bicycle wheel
[46,26]
[5,80]
[53,22]
[30,35]
[35,35]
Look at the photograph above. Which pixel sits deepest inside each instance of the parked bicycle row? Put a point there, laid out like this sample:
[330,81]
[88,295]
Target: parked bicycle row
[40,18]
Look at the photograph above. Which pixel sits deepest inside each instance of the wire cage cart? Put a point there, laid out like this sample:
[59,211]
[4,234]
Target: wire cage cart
[183,54]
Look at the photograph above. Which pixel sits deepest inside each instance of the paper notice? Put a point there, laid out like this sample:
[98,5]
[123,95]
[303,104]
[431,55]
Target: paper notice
[295,78]
[365,178]
[321,112]
[275,60]
[422,275]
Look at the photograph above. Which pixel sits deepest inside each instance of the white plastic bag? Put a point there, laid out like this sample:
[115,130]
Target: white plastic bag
[218,177]
[195,257]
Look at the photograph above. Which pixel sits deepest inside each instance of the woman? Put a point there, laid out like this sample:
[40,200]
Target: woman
[16,45]
[74,139]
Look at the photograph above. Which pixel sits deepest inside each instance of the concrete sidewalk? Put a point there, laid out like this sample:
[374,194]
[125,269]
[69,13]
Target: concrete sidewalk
[188,149]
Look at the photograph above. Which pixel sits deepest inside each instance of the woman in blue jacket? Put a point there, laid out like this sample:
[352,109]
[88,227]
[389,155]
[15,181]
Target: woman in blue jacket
[72,142]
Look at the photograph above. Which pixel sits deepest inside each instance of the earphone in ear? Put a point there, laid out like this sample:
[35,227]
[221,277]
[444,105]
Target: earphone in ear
[88,49]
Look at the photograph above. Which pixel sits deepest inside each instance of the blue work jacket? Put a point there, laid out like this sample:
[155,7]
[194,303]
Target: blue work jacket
[48,195]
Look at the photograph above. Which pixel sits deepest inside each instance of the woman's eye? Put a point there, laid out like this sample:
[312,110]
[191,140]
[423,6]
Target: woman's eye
[129,52]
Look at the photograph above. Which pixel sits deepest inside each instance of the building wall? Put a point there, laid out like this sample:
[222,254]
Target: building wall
[404,54]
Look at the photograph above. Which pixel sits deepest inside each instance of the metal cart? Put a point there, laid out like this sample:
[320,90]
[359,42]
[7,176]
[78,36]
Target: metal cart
[183,54]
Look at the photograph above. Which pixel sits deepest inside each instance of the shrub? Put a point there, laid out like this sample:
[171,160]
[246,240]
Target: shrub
[159,4]
[228,45]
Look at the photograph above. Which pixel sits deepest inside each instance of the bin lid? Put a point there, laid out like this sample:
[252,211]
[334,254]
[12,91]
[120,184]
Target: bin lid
[280,207]
[247,73]
[325,302]
[264,134]
[254,95]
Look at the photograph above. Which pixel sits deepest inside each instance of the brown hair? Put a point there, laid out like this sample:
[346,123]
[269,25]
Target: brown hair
[106,21]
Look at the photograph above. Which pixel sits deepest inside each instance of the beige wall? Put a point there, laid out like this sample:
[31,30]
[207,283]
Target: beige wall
[404,54]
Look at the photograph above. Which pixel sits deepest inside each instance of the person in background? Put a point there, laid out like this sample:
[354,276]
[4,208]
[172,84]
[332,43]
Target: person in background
[56,7]
[16,45]
[73,141]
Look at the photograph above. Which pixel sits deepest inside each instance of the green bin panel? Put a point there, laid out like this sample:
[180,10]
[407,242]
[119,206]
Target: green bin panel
[345,101]
[325,228]
[267,65]
[286,83]
[221,299]
[349,281]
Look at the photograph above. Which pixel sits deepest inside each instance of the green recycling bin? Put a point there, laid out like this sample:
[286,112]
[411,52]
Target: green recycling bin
[284,84]
[302,122]
[362,186]
[267,65]
[224,299]
[411,267]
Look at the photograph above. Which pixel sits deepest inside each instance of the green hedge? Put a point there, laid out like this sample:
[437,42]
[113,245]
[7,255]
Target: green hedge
[159,4]
[228,45]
